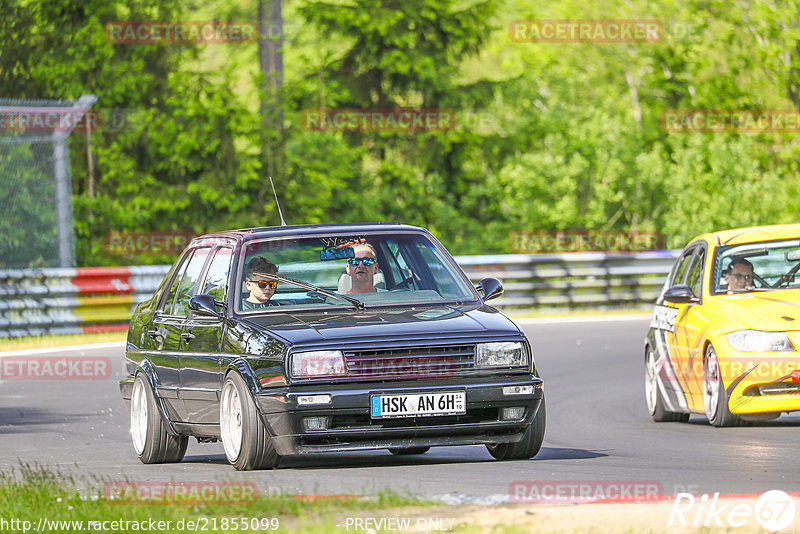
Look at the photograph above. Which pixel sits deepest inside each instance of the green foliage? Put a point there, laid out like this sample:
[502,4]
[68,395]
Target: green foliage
[547,135]
[27,184]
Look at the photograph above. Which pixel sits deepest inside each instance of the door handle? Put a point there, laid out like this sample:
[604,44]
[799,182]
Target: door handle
[187,336]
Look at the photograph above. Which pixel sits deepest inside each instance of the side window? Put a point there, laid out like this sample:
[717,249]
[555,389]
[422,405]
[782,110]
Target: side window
[216,282]
[168,301]
[694,278]
[681,270]
[189,281]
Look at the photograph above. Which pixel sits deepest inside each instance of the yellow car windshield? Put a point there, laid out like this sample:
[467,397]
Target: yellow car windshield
[764,265]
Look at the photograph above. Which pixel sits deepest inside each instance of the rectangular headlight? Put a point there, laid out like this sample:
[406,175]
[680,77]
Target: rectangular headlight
[503,354]
[318,363]
[758,341]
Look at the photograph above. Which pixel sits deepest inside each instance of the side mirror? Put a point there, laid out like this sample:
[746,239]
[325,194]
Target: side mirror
[680,294]
[490,288]
[204,305]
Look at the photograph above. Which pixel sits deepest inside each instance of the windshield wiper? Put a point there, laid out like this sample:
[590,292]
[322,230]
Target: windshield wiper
[311,287]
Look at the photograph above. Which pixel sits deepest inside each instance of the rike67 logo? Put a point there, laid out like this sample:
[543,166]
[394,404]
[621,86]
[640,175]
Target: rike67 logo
[774,510]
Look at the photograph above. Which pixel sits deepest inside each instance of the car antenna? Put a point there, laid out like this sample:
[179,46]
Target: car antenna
[283,223]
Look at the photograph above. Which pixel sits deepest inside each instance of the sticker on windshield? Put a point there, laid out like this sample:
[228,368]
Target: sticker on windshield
[336,250]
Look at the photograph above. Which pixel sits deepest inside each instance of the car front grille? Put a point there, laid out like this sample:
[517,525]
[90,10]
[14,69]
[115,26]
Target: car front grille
[364,422]
[783,388]
[410,363]
[773,389]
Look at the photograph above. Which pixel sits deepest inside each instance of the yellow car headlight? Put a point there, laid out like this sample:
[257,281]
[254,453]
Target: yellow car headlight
[758,341]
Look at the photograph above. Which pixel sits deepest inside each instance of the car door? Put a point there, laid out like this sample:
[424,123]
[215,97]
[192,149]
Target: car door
[671,329]
[171,323]
[201,381]
[692,330]
[163,343]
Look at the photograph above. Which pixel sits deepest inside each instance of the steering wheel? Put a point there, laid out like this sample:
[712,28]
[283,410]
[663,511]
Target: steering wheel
[785,279]
[763,282]
[404,284]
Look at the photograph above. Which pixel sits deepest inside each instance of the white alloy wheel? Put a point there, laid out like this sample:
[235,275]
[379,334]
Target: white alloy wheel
[139,416]
[230,419]
[651,383]
[711,385]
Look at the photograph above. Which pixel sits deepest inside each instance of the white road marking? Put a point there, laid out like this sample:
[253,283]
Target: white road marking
[587,319]
[46,350]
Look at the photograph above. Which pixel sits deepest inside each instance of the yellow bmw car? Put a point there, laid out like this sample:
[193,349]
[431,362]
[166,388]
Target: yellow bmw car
[725,331]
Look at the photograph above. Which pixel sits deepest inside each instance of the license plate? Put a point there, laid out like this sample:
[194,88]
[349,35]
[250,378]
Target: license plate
[415,404]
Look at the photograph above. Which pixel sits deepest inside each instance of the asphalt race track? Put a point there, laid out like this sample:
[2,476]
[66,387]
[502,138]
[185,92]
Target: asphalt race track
[597,429]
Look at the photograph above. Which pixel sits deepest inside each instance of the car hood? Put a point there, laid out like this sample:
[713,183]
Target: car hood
[769,310]
[352,327]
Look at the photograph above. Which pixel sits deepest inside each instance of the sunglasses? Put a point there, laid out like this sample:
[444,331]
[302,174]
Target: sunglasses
[264,284]
[366,261]
[739,276]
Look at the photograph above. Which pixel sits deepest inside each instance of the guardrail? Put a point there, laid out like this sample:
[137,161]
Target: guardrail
[66,301]
[574,280]
[69,301]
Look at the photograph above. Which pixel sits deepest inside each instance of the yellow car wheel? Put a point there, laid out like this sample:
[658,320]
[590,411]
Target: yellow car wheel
[715,398]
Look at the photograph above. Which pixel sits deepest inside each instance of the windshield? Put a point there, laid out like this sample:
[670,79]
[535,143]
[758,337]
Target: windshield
[765,265]
[347,270]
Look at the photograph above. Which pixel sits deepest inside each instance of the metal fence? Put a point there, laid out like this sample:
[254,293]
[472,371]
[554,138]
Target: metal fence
[63,301]
[35,185]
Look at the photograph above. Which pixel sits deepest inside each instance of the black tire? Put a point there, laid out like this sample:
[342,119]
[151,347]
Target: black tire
[715,398]
[152,441]
[655,403]
[406,451]
[528,446]
[251,446]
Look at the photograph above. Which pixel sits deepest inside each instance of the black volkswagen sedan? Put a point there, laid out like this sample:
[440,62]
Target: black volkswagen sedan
[302,339]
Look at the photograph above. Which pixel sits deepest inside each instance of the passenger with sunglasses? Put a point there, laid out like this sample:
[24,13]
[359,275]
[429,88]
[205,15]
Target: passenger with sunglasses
[362,269]
[261,291]
[739,274]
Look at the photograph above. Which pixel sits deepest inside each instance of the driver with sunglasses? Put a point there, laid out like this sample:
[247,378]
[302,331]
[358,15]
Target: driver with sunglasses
[261,291]
[739,275]
[362,269]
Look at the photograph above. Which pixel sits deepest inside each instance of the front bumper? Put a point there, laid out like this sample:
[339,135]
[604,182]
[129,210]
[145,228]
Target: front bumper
[351,426]
[759,382]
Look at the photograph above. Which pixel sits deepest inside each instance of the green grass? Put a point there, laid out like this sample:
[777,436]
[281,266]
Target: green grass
[33,492]
[22,343]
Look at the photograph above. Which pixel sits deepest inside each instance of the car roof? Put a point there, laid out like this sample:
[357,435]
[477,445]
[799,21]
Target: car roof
[309,229]
[736,236]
